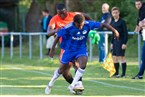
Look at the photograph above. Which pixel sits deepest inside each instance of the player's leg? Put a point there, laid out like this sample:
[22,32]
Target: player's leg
[67,75]
[76,66]
[142,66]
[82,61]
[121,53]
[124,66]
[116,65]
[56,75]
[82,57]
[79,84]
[50,84]
[116,49]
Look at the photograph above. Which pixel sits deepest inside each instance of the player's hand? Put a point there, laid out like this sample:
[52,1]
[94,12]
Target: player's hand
[111,46]
[116,33]
[51,53]
[123,46]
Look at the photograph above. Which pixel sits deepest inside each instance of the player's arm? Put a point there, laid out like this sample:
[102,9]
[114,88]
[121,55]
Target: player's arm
[87,17]
[51,31]
[116,33]
[137,28]
[51,54]
[124,27]
[107,20]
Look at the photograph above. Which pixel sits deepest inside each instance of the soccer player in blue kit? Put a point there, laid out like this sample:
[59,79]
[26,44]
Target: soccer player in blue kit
[74,41]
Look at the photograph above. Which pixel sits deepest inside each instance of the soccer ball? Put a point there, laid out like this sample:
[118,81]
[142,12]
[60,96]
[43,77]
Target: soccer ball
[78,92]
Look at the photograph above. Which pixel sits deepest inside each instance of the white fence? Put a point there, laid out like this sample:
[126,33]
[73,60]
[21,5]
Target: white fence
[41,34]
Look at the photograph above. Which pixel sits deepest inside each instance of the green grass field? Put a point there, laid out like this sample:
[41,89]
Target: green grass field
[30,77]
[25,77]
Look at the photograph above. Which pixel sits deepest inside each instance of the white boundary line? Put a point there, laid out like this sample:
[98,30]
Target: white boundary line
[103,83]
[63,96]
[17,68]
[118,86]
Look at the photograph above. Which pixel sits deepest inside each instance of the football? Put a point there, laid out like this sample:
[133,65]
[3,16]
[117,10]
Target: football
[78,92]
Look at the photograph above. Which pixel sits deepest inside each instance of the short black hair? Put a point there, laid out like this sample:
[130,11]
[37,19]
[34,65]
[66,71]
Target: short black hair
[60,6]
[139,1]
[46,10]
[79,18]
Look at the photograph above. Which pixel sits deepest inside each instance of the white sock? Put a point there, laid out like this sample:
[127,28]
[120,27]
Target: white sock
[55,76]
[78,74]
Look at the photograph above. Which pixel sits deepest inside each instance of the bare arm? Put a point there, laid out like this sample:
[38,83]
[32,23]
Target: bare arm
[116,33]
[87,17]
[51,54]
[107,20]
[51,31]
[137,28]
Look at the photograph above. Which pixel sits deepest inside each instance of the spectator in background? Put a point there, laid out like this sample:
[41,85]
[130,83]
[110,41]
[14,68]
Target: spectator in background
[141,25]
[142,68]
[106,18]
[45,22]
[119,45]
[141,14]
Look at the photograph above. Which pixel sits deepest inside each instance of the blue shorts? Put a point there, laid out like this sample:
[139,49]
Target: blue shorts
[69,56]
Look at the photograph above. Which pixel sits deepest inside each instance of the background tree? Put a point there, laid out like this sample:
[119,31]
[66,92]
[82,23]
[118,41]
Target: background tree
[33,17]
[91,7]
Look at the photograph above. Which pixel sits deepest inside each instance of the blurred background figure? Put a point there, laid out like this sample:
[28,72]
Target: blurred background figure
[119,45]
[140,27]
[45,22]
[140,5]
[142,66]
[106,18]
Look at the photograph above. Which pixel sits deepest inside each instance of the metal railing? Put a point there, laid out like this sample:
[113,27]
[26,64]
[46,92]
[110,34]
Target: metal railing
[41,34]
[106,44]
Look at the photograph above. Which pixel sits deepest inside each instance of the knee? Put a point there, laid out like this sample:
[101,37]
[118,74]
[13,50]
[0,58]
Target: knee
[123,60]
[60,71]
[115,59]
[64,74]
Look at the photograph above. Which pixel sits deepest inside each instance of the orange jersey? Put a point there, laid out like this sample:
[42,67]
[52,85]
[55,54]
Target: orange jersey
[57,22]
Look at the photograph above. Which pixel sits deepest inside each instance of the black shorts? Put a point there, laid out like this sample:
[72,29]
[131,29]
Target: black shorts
[117,48]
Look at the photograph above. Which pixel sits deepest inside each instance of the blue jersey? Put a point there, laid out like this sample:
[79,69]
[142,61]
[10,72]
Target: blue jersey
[73,38]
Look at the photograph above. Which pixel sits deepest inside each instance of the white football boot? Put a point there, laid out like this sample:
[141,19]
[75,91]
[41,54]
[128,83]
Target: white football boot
[79,86]
[48,90]
[70,88]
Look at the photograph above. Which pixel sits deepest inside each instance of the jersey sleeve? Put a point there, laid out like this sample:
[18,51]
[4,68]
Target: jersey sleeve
[94,24]
[124,28]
